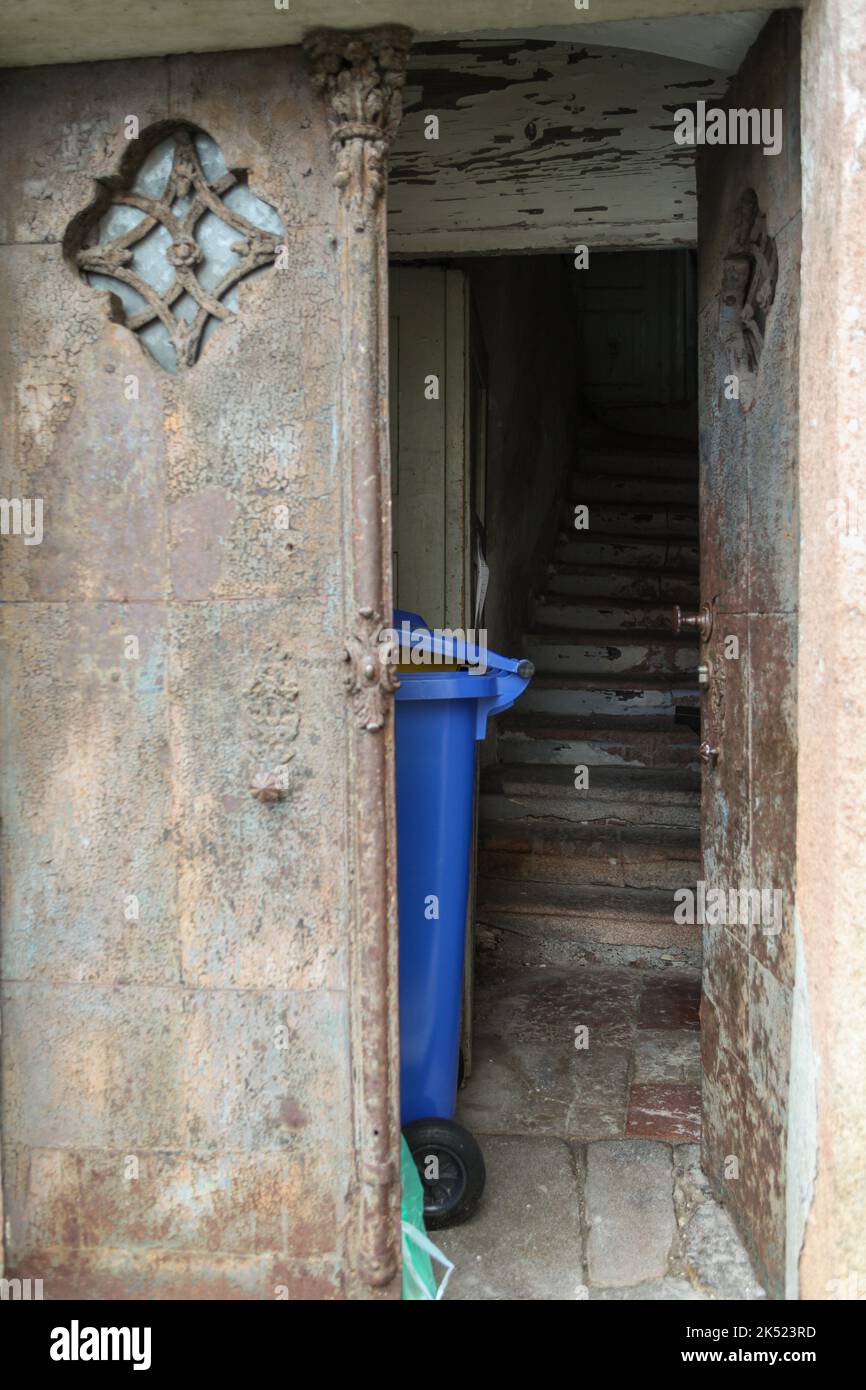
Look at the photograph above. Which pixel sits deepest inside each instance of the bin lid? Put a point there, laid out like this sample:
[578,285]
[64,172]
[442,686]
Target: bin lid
[495,686]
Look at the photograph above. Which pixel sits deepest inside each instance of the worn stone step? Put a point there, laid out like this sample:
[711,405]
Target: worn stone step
[607,870]
[589,914]
[646,785]
[597,548]
[552,726]
[631,519]
[596,742]
[614,581]
[609,615]
[625,489]
[515,791]
[608,853]
[541,942]
[647,463]
[599,653]
[562,899]
[607,696]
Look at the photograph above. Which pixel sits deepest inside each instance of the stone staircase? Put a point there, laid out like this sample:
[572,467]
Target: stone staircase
[566,871]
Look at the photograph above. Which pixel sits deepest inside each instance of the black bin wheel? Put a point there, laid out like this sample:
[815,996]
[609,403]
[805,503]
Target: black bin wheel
[451,1168]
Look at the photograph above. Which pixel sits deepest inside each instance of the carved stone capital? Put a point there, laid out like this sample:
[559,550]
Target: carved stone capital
[361,75]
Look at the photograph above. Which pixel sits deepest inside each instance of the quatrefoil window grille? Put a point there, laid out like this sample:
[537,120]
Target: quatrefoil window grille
[173,243]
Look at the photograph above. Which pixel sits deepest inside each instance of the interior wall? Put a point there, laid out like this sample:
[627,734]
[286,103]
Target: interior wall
[636,366]
[523,309]
[749,569]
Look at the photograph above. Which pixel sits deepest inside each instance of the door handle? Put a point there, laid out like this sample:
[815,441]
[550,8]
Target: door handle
[700,622]
[708,754]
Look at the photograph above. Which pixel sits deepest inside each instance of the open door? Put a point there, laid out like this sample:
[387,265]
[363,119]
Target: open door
[429,475]
[438,414]
[749,257]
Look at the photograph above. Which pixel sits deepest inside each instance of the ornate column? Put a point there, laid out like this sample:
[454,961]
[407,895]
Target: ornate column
[361,75]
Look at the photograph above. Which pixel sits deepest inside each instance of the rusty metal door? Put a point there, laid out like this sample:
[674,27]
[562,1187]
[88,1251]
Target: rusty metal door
[749,254]
[199,945]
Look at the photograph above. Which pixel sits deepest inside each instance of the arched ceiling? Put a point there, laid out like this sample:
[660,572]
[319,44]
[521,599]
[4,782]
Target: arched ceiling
[74,31]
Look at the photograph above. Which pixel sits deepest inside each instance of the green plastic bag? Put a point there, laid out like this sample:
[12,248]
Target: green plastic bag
[419,1252]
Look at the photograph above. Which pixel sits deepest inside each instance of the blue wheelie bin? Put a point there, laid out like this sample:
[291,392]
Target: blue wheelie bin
[442,708]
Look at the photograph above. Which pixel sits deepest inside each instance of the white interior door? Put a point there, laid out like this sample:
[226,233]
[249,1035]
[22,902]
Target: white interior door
[438,411]
[429,447]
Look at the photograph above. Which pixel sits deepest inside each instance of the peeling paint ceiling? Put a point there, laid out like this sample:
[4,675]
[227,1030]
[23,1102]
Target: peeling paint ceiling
[544,145]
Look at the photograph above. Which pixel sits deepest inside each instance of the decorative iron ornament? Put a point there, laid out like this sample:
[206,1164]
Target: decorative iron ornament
[361,77]
[749,274]
[371,677]
[188,186]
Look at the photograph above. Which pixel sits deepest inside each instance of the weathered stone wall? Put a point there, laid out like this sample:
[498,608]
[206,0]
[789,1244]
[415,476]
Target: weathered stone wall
[523,306]
[176,1087]
[749,538]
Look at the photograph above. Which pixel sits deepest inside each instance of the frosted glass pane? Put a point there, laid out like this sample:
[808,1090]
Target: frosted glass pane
[132,301]
[242,199]
[156,340]
[210,158]
[149,259]
[185,308]
[118,221]
[153,174]
[215,237]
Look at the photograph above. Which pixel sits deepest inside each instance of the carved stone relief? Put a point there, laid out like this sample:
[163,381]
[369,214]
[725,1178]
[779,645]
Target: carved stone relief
[273,723]
[749,274]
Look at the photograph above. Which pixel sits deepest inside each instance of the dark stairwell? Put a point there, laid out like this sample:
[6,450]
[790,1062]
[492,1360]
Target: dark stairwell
[590,817]
[585,1083]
